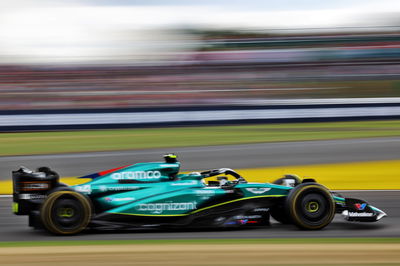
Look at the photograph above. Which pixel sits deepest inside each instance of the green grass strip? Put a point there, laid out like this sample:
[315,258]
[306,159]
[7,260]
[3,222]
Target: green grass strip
[127,139]
[202,241]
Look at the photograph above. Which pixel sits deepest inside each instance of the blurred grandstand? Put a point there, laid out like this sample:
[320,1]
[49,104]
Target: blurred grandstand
[226,68]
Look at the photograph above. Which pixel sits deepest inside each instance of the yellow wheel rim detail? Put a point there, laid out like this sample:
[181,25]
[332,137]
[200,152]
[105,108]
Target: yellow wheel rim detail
[312,206]
[65,212]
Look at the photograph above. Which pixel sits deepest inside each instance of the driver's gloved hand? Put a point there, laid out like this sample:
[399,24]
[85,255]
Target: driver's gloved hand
[223,181]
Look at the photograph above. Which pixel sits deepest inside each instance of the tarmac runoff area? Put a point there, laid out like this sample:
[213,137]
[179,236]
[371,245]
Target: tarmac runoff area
[207,254]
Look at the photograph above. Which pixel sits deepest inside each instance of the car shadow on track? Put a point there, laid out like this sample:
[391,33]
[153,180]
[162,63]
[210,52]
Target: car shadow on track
[273,228]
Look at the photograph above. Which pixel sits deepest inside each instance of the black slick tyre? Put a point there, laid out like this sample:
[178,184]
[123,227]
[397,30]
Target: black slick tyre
[310,206]
[65,213]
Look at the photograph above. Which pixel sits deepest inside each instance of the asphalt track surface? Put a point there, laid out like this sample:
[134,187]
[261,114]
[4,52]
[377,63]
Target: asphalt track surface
[15,228]
[209,157]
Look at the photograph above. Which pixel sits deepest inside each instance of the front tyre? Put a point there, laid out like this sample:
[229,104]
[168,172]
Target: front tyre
[65,213]
[310,206]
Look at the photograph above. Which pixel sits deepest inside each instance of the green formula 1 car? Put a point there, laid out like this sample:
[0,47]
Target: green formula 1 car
[155,195]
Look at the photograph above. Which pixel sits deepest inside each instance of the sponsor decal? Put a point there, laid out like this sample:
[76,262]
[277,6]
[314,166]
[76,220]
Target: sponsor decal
[260,190]
[158,208]
[31,196]
[341,203]
[124,199]
[261,210]
[205,192]
[37,185]
[360,207]
[104,188]
[244,221]
[220,219]
[139,175]
[119,199]
[84,189]
[360,214]
[185,183]
[247,217]
[169,165]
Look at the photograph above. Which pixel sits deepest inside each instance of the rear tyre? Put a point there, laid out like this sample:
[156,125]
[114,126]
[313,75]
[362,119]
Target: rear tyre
[310,206]
[65,213]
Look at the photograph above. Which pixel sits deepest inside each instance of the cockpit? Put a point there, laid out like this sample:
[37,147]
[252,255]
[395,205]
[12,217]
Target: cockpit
[226,177]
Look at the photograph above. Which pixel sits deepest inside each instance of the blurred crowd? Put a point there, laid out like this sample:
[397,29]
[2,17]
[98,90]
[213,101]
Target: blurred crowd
[225,68]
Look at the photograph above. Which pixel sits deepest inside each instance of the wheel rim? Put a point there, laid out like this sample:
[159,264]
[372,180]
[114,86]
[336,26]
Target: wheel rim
[67,214]
[312,206]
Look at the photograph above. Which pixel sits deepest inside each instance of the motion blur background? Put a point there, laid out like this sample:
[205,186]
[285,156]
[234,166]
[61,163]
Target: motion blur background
[120,54]
[74,73]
